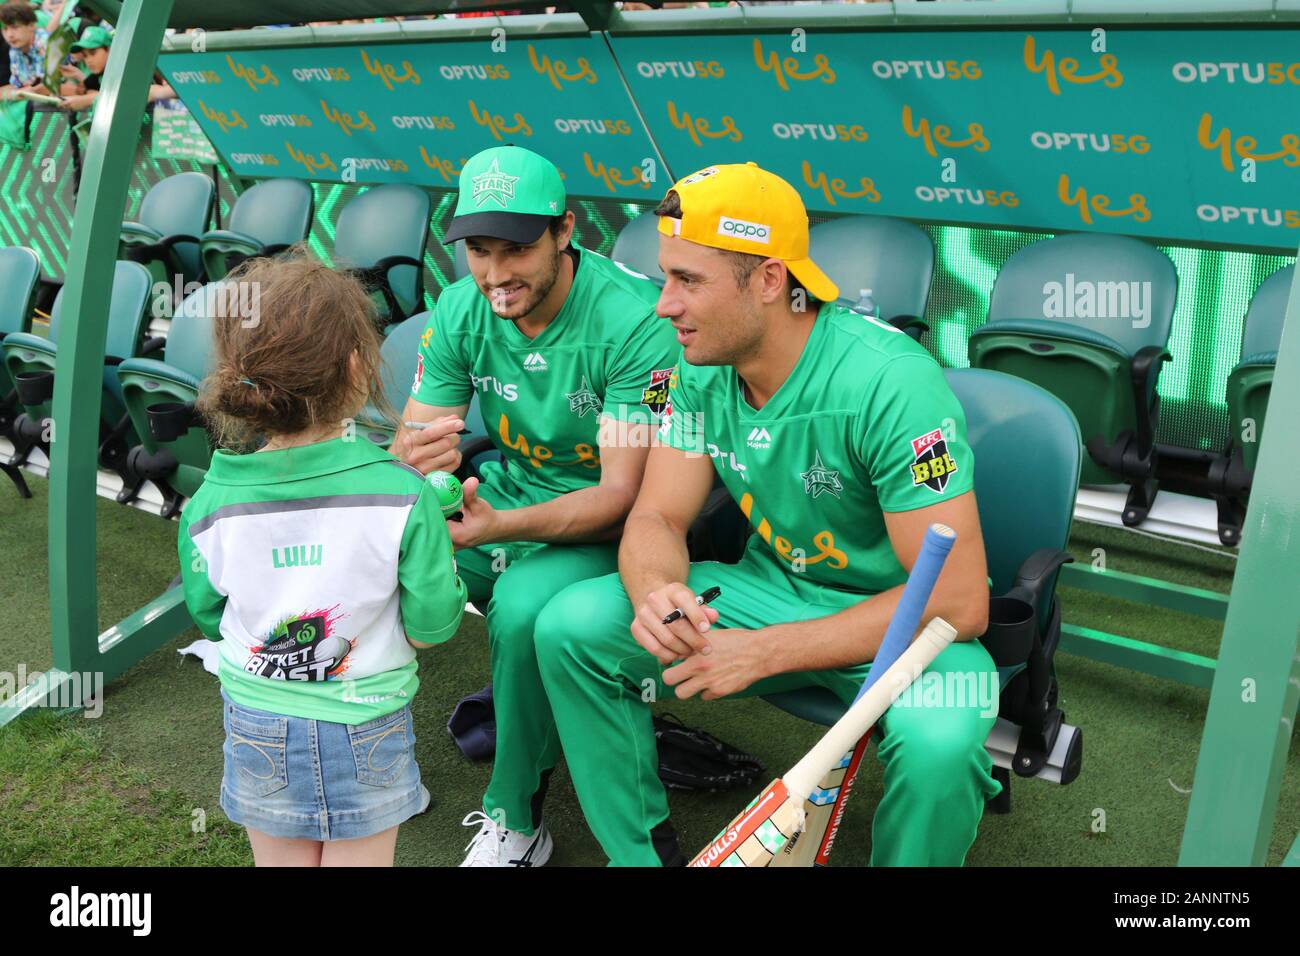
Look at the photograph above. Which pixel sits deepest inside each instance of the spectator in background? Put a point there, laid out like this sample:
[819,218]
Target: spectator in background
[92,52]
[26,48]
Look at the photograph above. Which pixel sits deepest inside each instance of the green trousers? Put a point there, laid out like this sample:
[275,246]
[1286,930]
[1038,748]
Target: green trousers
[598,681]
[511,583]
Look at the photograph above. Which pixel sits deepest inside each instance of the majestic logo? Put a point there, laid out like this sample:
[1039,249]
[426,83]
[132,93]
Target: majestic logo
[931,464]
[759,438]
[495,185]
[533,362]
[819,479]
[753,231]
[583,400]
[655,395]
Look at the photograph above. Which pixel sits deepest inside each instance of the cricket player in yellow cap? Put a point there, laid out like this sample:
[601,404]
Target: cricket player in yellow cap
[841,442]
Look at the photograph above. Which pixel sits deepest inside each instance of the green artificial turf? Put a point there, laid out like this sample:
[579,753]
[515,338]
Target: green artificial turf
[124,788]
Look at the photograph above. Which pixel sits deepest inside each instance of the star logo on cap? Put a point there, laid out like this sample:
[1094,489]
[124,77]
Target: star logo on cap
[493,184]
[819,478]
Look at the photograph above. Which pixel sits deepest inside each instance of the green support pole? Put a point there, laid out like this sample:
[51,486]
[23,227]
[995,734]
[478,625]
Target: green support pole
[110,155]
[1256,688]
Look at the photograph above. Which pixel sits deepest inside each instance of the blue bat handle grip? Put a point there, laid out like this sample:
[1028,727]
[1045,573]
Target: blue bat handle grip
[939,540]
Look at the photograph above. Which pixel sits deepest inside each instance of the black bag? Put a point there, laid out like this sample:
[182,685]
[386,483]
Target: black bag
[692,759]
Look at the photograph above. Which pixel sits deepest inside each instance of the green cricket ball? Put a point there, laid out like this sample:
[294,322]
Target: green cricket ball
[447,487]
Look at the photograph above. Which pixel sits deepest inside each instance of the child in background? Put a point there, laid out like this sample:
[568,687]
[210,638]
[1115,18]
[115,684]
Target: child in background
[319,563]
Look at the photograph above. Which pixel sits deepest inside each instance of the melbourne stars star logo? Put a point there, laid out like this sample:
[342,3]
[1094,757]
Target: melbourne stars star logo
[819,478]
[583,400]
[493,184]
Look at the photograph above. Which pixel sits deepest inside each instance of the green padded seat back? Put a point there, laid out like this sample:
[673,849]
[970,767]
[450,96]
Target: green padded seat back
[637,247]
[1110,263]
[126,311]
[1263,331]
[274,212]
[459,260]
[387,220]
[1027,459]
[20,270]
[180,205]
[400,353]
[189,340]
[891,257]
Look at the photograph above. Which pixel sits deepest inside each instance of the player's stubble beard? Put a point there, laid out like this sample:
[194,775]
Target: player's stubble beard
[540,289]
[738,335]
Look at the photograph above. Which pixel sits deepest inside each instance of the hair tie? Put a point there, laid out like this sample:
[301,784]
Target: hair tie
[246,381]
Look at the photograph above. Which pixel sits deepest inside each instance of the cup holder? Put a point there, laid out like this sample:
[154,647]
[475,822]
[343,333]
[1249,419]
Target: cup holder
[34,388]
[168,421]
[1010,636]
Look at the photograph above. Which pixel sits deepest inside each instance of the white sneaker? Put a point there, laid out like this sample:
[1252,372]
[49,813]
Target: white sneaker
[494,845]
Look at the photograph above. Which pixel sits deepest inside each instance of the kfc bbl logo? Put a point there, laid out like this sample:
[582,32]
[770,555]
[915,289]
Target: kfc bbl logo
[655,396]
[931,464]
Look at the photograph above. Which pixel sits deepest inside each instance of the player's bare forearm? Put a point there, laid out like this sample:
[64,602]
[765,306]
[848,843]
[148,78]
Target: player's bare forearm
[652,555]
[852,636]
[588,514]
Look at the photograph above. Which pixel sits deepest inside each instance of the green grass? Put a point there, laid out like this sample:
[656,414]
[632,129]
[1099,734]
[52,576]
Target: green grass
[122,789]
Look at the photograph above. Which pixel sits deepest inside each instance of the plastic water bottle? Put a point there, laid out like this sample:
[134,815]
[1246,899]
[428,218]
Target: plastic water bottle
[450,495]
[866,304]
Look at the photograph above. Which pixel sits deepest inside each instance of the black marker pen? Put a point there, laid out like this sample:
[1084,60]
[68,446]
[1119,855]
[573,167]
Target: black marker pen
[708,597]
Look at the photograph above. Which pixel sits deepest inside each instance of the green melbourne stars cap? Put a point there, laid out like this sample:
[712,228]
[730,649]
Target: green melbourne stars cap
[94,38]
[507,192]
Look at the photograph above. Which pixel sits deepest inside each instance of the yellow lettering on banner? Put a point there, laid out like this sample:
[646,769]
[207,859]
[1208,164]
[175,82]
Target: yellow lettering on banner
[1289,152]
[224,122]
[699,127]
[556,70]
[772,63]
[823,541]
[443,167]
[611,175]
[309,162]
[1067,69]
[1100,204]
[250,76]
[345,122]
[838,187]
[941,134]
[497,124]
[387,74]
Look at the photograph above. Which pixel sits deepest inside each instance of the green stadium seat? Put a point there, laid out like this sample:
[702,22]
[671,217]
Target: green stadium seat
[892,258]
[380,236]
[459,262]
[174,448]
[20,271]
[165,235]
[30,361]
[1247,394]
[399,353]
[1027,449]
[1063,314]
[637,247]
[267,219]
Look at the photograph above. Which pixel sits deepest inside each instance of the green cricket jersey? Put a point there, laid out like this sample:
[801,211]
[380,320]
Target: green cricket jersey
[310,566]
[605,354]
[865,424]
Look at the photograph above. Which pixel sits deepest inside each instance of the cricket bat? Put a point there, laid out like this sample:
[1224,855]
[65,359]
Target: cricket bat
[819,809]
[762,830]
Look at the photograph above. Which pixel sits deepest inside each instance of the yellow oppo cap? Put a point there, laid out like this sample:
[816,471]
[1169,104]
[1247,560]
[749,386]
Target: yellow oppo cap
[742,208]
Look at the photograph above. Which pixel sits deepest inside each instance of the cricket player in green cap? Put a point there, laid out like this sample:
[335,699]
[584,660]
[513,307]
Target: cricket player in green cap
[570,365]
